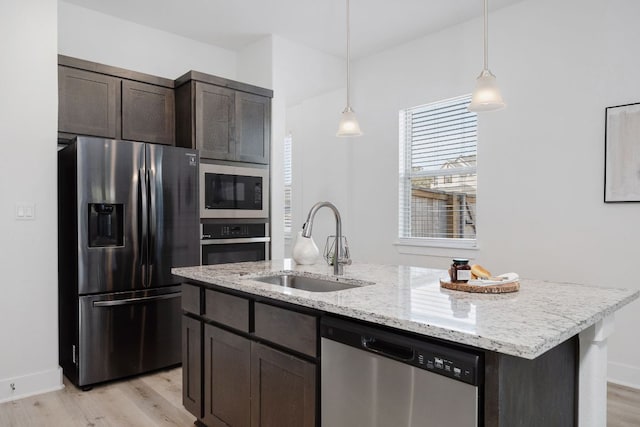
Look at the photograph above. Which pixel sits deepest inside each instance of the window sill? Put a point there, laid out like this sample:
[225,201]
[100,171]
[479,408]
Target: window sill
[437,247]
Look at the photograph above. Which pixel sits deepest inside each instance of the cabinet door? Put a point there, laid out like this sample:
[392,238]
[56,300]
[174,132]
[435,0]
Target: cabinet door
[283,389]
[88,103]
[227,370]
[148,113]
[253,128]
[192,365]
[215,121]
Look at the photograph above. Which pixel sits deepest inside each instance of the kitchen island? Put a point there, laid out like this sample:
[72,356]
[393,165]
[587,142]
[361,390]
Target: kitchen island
[518,333]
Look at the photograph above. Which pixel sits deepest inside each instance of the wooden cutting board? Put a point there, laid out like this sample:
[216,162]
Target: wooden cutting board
[502,288]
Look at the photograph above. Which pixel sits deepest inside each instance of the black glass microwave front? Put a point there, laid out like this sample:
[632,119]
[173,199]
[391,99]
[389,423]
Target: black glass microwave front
[234,192]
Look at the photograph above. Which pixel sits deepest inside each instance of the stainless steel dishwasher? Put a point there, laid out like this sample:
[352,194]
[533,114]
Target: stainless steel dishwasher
[375,378]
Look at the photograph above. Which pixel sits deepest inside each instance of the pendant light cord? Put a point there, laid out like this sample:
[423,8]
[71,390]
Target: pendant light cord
[349,59]
[486,35]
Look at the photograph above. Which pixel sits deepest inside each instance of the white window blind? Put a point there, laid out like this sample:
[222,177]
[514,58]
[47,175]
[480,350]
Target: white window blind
[438,171]
[287,186]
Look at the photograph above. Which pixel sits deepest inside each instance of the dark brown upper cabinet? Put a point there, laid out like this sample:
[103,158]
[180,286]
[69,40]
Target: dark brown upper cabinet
[148,113]
[110,102]
[224,119]
[253,127]
[214,121]
[88,103]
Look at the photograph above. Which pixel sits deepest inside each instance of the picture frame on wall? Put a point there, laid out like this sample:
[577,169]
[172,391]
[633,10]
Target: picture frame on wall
[622,154]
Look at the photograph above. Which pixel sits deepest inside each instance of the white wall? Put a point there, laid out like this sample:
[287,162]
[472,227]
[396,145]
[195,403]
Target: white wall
[321,167]
[294,72]
[28,131]
[541,161]
[255,63]
[94,36]
[311,84]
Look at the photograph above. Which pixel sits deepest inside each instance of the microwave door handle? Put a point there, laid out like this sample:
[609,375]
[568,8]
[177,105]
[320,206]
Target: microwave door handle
[129,301]
[143,222]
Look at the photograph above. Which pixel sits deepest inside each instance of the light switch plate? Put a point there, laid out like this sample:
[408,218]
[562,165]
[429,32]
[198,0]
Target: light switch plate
[25,211]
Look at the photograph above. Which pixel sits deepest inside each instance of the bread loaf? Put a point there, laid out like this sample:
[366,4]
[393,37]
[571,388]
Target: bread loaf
[479,272]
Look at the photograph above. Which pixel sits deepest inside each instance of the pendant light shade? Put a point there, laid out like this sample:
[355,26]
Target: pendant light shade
[348,125]
[486,96]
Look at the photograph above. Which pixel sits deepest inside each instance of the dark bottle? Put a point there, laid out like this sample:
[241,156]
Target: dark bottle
[460,271]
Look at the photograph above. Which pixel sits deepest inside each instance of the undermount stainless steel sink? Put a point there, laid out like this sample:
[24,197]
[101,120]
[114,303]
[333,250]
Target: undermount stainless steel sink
[304,283]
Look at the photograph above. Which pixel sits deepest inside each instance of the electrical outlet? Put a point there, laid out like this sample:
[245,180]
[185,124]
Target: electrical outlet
[12,386]
[26,211]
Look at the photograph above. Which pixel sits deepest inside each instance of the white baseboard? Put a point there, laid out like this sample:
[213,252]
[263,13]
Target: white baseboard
[626,375]
[31,384]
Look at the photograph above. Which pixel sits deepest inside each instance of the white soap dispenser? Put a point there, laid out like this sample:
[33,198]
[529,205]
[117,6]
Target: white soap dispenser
[305,251]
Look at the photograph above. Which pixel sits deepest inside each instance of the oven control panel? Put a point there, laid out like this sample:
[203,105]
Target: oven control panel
[232,231]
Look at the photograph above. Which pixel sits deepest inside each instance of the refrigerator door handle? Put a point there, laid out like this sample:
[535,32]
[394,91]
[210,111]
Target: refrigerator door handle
[140,300]
[154,187]
[144,224]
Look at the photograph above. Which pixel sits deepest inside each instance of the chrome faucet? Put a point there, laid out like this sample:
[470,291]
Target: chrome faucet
[339,258]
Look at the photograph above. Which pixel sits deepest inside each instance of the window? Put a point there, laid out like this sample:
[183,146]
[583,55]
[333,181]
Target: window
[287,187]
[438,173]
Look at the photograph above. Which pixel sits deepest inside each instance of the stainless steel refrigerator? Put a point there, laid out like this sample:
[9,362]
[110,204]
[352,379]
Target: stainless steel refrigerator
[127,214]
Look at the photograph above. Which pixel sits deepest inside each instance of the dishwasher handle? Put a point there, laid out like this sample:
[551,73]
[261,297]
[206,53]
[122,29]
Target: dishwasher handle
[388,349]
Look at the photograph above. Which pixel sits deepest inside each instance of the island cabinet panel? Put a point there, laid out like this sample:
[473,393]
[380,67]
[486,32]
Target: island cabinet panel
[227,373]
[88,103]
[290,329]
[283,389]
[257,362]
[191,299]
[226,309]
[530,393]
[253,128]
[192,365]
[148,113]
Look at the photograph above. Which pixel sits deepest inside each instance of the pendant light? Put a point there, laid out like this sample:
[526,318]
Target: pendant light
[486,96]
[348,125]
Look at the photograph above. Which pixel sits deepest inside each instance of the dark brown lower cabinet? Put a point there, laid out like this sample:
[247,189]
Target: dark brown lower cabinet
[249,384]
[192,365]
[227,375]
[247,363]
[283,389]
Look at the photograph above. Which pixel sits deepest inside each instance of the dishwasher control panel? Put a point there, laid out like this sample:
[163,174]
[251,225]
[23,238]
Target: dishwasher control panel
[443,363]
[456,363]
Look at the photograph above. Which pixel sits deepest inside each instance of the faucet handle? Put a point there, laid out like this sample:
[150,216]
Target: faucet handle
[330,251]
[345,261]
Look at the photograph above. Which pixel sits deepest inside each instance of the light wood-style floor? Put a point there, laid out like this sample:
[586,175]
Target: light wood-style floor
[156,400]
[150,400]
[623,406]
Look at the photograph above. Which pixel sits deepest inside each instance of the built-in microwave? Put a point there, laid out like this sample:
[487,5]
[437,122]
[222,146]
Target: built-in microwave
[233,191]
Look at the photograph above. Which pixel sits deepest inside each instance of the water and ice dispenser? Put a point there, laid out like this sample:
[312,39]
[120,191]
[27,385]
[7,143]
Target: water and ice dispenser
[106,225]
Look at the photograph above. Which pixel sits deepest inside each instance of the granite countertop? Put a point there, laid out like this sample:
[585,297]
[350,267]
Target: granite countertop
[526,323]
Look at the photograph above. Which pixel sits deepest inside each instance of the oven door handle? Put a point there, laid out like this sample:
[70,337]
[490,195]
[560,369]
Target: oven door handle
[205,242]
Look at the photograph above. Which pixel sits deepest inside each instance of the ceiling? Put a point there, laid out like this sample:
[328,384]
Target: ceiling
[321,24]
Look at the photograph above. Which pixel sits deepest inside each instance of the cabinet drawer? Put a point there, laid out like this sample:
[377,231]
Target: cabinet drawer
[191,299]
[288,328]
[227,309]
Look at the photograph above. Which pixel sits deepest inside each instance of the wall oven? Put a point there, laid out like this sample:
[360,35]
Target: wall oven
[233,191]
[234,242]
